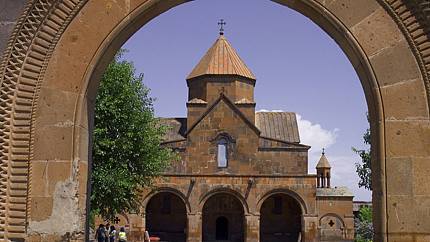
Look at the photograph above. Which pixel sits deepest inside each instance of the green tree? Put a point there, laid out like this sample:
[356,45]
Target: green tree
[363,168]
[363,225]
[127,155]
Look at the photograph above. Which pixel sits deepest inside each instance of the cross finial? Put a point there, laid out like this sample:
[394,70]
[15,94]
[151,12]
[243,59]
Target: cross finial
[323,151]
[221,23]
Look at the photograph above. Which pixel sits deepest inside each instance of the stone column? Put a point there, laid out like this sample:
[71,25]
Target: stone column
[194,233]
[252,229]
[310,228]
[137,227]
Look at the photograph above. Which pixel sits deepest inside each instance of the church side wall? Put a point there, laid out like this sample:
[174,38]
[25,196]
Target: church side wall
[335,218]
[283,162]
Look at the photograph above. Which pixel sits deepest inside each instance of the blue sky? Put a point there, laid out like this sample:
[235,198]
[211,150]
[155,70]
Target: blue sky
[299,68]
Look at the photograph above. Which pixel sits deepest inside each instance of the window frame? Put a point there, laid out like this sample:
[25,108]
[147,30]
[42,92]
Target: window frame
[222,141]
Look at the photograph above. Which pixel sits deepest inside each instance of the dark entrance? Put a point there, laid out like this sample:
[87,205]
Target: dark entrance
[166,217]
[223,219]
[221,228]
[280,219]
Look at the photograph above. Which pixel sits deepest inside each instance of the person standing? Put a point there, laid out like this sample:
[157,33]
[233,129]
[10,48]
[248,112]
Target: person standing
[112,233]
[122,237]
[101,233]
[107,227]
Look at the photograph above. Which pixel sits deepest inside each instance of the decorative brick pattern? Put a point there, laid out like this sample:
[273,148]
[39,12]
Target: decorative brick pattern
[32,42]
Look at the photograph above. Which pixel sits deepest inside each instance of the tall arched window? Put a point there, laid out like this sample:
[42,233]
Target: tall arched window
[222,156]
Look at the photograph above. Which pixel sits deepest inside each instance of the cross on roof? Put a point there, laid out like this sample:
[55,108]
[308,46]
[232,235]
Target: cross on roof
[221,23]
[323,151]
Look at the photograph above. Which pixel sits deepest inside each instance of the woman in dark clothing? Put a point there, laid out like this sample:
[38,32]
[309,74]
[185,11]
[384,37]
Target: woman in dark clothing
[101,233]
[112,233]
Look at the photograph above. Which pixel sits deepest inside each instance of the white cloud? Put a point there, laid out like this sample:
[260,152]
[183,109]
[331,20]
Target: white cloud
[343,172]
[315,135]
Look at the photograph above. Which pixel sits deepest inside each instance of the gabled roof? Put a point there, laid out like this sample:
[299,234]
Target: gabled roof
[224,98]
[176,128]
[221,59]
[278,126]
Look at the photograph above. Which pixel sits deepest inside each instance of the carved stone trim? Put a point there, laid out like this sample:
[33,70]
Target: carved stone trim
[412,18]
[29,50]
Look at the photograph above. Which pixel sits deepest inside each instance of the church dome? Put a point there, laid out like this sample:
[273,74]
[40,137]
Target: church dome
[323,162]
[221,59]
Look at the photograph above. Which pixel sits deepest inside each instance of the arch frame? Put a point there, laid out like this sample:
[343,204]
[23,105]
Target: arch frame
[170,190]
[223,190]
[332,215]
[24,74]
[284,191]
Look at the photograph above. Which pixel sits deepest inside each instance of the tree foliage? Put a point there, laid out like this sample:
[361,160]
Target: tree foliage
[127,155]
[363,168]
[364,225]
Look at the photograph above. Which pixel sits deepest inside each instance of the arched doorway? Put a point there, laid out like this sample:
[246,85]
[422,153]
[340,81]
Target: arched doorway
[280,219]
[166,217]
[223,219]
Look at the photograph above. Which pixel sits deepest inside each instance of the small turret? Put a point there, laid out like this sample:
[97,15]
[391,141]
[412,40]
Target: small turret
[323,172]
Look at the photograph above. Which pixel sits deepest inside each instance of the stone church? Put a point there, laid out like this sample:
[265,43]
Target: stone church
[242,175]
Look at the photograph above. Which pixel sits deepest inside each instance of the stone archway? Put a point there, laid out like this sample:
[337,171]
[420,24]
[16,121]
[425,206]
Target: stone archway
[223,219]
[58,50]
[332,228]
[166,217]
[281,219]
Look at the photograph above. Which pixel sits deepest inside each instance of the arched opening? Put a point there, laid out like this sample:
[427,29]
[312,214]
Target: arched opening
[280,219]
[166,217]
[222,156]
[332,228]
[223,219]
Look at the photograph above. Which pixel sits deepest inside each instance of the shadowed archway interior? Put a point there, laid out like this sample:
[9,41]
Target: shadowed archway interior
[223,219]
[166,217]
[280,219]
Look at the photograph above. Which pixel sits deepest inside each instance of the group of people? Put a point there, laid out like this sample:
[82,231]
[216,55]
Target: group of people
[110,234]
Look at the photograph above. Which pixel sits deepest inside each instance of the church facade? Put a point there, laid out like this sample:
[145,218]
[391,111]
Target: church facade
[241,175]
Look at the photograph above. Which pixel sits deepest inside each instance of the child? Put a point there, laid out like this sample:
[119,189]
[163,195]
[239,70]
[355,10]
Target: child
[122,237]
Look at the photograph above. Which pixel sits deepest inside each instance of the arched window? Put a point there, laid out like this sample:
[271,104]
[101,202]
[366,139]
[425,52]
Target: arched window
[222,156]
[221,228]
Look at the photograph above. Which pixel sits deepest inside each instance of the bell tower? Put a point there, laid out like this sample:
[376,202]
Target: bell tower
[221,70]
[323,172]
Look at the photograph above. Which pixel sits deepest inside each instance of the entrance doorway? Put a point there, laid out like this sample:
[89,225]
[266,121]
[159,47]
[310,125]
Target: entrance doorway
[223,219]
[166,217]
[280,219]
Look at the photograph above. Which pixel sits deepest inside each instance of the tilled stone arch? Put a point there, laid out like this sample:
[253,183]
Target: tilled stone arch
[223,190]
[59,48]
[300,201]
[170,190]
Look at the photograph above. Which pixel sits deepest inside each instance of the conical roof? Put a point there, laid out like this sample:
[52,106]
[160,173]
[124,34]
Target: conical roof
[323,162]
[221,59]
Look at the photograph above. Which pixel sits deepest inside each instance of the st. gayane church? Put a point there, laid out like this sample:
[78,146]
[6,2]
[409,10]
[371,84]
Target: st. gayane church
[242,175]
